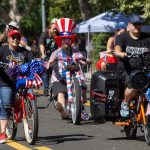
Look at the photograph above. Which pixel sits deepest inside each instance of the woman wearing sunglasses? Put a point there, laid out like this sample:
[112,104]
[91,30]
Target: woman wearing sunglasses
[11,54]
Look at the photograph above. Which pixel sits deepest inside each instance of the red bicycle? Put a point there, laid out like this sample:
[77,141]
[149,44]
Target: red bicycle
[24,109]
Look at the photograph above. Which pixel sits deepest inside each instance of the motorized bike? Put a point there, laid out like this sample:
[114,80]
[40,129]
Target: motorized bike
[105,98]
[74,97]
[104,93]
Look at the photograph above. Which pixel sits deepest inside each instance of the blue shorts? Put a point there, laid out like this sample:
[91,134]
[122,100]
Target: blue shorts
[6,101]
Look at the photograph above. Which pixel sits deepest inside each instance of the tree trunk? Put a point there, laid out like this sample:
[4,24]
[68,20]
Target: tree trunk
[14,13]
[85,8]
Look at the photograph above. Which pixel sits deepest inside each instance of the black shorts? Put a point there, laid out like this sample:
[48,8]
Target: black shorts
[59,87]
[124,81]
[124,78]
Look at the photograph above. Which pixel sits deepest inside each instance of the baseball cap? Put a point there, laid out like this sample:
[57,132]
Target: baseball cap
[120,25]
[135,18]
[14,24]
[14,32]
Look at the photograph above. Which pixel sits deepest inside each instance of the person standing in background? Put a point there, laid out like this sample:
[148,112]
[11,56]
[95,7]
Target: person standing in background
[24,43]
[47,45]
[81,47]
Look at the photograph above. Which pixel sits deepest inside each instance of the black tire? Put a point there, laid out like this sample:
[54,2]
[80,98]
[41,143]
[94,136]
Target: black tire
[147,130]
[92,108]
[31,128]
[76,104]
[130,131]
[11,129]
[98,112]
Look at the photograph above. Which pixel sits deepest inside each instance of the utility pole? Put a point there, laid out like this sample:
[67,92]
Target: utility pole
[43,16]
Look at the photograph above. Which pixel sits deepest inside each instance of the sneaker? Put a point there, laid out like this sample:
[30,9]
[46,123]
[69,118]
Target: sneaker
[84,116]
[3,138]
[124,112]
[58,106]
[64,115]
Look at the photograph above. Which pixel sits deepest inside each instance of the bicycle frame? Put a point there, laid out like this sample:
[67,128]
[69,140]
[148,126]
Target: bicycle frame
[140,116]
[19,105]
[68,82]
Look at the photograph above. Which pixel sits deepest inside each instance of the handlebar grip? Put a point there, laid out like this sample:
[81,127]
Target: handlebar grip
[2,64]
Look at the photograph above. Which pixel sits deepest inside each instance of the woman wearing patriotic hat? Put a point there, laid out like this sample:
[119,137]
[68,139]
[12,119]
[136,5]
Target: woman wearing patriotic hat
[65,27]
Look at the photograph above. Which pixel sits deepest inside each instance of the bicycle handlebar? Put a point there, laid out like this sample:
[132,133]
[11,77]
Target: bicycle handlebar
[2,64]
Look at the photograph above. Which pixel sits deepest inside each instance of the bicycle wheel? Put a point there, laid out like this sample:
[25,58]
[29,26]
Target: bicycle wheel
[30,123]
[130,131]
[147,130]
[11,129]
[76,104]
[98,112]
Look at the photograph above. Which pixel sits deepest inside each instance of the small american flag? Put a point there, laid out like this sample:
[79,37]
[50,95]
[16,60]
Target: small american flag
[37,82]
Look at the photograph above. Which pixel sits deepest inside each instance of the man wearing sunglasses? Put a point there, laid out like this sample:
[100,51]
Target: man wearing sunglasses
[12,54]
[132,43]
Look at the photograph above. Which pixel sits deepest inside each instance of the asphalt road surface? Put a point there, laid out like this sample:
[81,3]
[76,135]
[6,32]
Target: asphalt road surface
[57,134]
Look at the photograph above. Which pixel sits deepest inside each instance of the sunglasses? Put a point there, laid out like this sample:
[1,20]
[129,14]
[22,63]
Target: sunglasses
[137,24]
[12,28]
[15,37]
[120,29]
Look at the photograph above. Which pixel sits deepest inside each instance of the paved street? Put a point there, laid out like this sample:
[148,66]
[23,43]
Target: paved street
[57,134]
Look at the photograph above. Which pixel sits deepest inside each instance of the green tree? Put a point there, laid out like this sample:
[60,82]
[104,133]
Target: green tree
[99,44]
[28,12]
[63,8]
[31,23]
[135,6]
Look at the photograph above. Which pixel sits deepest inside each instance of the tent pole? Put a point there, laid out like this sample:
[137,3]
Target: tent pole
[88,50]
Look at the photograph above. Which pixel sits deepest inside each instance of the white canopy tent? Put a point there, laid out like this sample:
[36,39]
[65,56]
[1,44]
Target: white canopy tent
[105,22]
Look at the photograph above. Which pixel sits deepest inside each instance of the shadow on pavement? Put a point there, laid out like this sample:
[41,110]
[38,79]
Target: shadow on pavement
[138,138]
[49,140]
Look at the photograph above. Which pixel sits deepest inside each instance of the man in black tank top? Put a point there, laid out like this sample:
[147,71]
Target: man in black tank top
[135,43]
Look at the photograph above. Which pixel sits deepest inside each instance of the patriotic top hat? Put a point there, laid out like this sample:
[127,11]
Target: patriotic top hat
[65,27]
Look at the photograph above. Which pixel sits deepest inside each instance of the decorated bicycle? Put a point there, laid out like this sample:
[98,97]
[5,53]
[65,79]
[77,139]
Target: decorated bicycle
[105,98]
[25,109]
[68,81]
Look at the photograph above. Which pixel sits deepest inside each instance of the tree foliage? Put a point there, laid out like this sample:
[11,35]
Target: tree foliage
[31,22]
[28,12]
[135,6]
[99,44]
[63,8]
[100,6]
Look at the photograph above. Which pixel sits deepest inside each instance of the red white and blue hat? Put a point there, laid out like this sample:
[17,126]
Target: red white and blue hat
[66,28]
